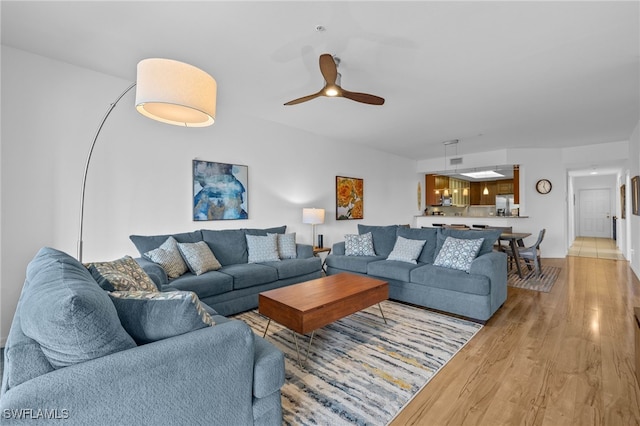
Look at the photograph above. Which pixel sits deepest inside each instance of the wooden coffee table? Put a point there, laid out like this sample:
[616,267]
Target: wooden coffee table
[311,305]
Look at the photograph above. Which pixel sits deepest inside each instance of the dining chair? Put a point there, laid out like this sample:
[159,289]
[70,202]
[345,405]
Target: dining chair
[529,254]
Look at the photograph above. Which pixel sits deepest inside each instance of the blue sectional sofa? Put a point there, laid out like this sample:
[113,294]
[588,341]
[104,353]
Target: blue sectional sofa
[69,358]
[235,286]
[476,294]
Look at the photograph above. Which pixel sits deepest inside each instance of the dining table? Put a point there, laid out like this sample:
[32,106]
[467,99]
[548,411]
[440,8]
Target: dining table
[516,239]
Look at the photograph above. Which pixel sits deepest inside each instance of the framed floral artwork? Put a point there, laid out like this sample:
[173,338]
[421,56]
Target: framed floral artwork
[349,198]
[219,191]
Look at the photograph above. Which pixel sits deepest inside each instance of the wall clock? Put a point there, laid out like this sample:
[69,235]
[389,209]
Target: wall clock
[543,186]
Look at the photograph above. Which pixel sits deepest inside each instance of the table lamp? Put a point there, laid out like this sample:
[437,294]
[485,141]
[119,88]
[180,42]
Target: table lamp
[313,217]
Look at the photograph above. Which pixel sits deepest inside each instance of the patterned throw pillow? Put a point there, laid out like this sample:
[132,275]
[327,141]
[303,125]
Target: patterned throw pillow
[458,253]
[287,245]
[262,248]
[168,256]
[152,316]
[406,250]
[359,245]
[123,274]
[199,257]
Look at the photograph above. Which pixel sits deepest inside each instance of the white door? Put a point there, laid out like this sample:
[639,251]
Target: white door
[595,213]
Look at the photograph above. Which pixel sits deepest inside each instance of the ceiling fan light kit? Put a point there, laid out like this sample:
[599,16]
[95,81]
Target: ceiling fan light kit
[329,69]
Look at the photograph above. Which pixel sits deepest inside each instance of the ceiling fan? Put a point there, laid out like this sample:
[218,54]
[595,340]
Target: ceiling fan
[329,70]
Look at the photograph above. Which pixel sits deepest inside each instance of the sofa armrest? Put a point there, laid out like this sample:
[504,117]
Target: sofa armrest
[201,376]
[157,274]
[494,266]
[304,251]
[338,248]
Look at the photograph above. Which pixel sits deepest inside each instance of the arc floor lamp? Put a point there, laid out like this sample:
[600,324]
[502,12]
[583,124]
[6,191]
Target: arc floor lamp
[168,91]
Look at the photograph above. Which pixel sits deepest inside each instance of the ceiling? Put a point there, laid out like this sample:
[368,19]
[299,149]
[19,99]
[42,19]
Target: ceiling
[494,75]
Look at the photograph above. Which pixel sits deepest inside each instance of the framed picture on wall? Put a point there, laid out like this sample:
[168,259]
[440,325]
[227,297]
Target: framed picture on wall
[220,191]
[635,195]
[623,201]
[349,198]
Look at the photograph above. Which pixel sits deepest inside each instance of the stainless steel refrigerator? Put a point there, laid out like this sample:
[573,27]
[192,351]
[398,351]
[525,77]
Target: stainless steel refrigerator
[504,204]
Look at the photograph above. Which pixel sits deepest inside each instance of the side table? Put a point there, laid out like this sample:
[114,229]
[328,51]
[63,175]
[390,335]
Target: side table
[318,250]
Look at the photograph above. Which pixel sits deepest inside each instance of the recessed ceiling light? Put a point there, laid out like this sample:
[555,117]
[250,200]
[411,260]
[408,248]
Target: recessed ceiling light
[482,174]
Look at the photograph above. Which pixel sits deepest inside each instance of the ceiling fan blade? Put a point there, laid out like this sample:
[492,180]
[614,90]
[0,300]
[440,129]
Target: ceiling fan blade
[328,68]
[304,99]
[365,98]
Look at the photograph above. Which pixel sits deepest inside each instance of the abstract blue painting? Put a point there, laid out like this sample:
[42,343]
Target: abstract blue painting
[220,191]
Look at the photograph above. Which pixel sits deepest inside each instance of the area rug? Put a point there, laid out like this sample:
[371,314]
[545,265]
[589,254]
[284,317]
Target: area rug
[361,370]
[530,281]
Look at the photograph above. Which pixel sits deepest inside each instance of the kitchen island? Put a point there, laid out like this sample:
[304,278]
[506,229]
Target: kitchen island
[516,222]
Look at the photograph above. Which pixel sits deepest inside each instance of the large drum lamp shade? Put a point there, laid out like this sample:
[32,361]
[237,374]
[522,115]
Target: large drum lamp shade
[175,93]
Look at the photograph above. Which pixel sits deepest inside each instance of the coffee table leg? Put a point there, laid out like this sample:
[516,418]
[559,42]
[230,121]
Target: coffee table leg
[381,313]
[266,328]
[295,339]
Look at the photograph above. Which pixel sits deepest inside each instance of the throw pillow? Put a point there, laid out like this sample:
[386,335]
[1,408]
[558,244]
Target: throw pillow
[122,274]
[359,245]
[168,256]
[67,313]
[152,316]
[287,246]
[458,253]
[199,257]
[406,250]
[262,248]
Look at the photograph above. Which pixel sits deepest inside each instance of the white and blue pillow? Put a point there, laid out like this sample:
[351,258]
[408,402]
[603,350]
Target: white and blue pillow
[458,253]
[359,245]
[286,245]
[406,250]
[262,248]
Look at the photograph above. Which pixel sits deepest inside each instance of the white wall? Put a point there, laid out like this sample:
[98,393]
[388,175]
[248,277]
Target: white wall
[140,178]
[633,221]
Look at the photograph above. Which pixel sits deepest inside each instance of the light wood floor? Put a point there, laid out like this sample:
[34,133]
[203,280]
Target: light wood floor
[559,358]
[603,248]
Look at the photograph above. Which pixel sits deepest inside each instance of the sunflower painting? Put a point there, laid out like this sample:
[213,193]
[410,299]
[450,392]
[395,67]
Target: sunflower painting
[349,198]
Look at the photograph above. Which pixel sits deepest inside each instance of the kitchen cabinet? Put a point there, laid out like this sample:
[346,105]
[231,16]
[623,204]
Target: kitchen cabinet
[516,184]
[504,186]
[434,187]
[490,198]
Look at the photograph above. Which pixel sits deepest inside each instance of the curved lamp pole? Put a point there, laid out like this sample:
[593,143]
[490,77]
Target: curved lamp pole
[168,91]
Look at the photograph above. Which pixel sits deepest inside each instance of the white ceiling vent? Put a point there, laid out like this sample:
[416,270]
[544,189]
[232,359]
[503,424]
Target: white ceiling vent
[455,161]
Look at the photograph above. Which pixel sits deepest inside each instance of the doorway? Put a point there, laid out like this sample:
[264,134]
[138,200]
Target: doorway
[595,213]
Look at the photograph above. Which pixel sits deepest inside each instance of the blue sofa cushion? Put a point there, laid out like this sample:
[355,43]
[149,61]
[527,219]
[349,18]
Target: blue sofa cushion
[67,313]
[289,268]
[146,243]
[208,284]
[123,274]
[384,237]
[391,269]
[262,232]
[228,245]
[250,274]
[430,235]
[351,263]
[490,237]
[152,316]
[451,279]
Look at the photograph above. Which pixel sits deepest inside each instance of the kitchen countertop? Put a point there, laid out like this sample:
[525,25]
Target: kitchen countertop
[472,217]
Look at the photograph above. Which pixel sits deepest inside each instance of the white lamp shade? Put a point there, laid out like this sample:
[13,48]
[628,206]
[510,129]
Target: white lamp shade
[313,216]
[175,93]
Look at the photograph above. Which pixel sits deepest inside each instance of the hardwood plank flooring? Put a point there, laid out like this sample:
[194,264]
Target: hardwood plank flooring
[561,358]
